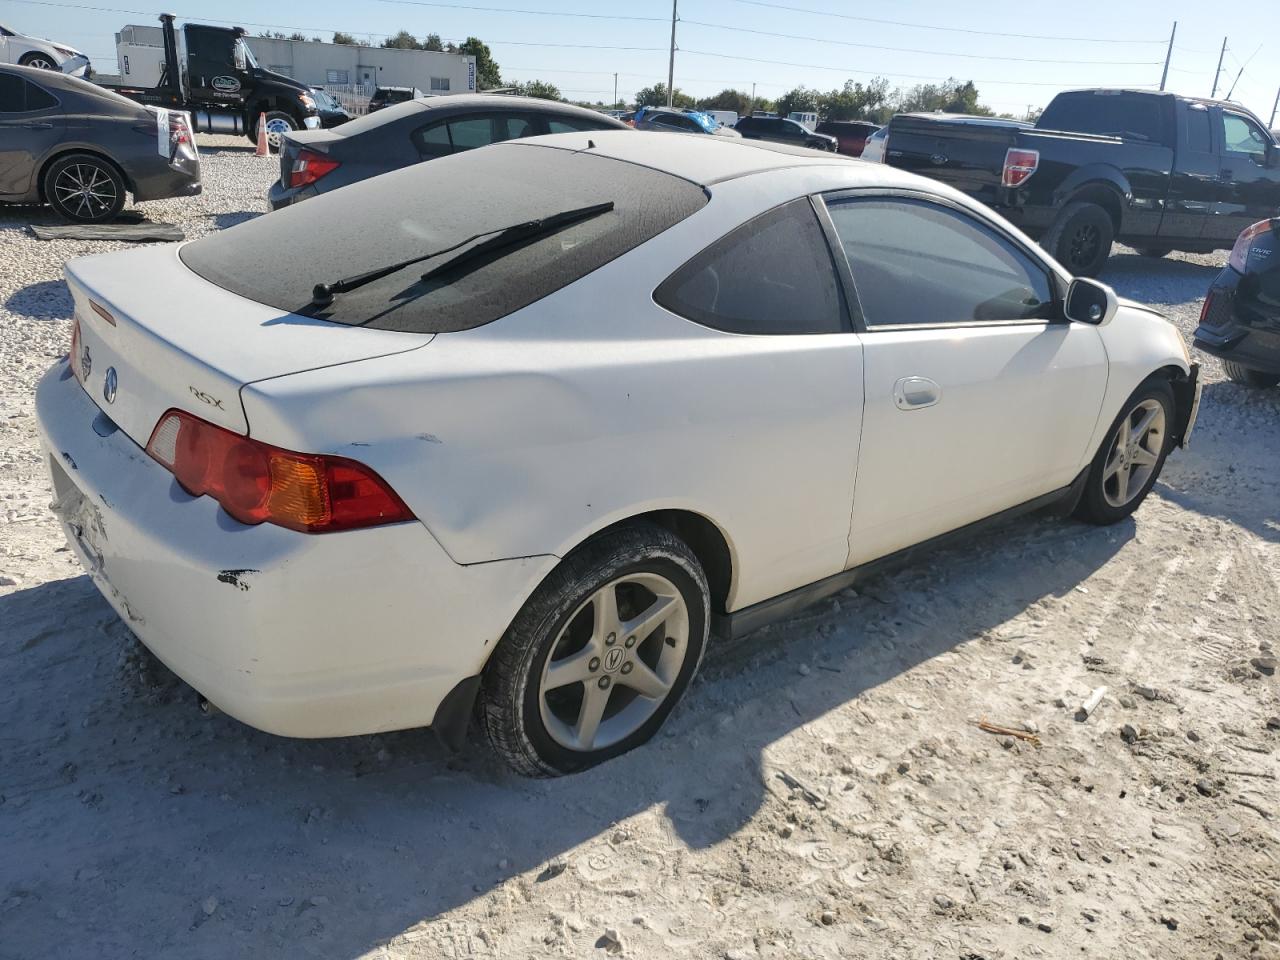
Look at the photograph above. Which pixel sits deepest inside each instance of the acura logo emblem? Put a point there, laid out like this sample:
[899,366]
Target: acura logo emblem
[613,659]
[109,385]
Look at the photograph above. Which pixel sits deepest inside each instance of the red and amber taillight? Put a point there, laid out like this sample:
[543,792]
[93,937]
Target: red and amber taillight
[309,166]
[258,483]
[1019,165]
[1239,259]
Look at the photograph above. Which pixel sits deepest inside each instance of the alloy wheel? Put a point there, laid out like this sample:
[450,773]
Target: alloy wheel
[1084,245]
[40,63]
[614,663]
[1134,452]
[85,190]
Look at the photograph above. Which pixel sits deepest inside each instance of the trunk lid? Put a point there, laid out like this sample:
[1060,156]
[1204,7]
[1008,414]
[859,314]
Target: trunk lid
[292,144]
[176,340]
[968,156]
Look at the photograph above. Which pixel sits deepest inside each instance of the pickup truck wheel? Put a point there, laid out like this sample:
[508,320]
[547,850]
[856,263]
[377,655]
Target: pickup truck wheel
[1130,458]
[39,61]
[1080,239]
[278,124]
[84,188]
[599,654]
[1156,252]
[1248,376]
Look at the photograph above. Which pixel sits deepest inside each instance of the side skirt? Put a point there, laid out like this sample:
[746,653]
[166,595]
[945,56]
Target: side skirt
[748,619]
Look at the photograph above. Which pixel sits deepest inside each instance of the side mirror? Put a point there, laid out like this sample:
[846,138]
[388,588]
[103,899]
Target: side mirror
[1089,301]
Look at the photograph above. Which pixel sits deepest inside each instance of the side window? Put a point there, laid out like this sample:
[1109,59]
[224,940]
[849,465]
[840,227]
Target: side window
[1197,138]
[569,125]
[471,133]
[13,98]
[433,141]
[38,99]
[1242,135]
[515,127]
[454,136]
[916,262]
[773,275]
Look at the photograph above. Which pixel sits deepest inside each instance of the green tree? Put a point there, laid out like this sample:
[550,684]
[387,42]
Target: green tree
[951,96]
[433,43]
[488,75]
[297,36]
[340,37]
[404,40]
[799,99]
[537,88]
[656,96]
[853,101]
[727,99]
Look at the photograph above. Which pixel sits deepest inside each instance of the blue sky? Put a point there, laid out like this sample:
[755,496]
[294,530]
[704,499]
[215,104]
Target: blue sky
[820,50]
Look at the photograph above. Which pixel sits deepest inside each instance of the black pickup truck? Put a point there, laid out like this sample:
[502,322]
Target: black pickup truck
[1157,171]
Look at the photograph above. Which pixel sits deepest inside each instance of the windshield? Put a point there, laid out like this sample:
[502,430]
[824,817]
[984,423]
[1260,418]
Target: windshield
[279,258]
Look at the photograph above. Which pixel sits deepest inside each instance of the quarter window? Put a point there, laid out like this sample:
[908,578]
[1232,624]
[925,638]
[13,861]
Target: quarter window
[568,125]
[19,96]
[920,263]
[773,275]
[465,133]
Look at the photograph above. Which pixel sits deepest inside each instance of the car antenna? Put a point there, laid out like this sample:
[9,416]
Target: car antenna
[591,144]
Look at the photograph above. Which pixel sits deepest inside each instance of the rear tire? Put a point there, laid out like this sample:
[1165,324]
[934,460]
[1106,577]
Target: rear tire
[1248,376]
[1080,239]
[627,610]
[84,188]
[1155,252]
[1124,470]
[38,61]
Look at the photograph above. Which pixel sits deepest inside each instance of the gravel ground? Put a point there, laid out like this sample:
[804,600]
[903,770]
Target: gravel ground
[824,792]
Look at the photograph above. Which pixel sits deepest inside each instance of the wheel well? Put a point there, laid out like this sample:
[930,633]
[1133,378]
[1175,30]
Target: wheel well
[1105,196]
[44,168]
[702,537]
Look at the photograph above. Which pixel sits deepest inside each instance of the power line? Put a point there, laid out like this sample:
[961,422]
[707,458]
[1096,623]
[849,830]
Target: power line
[927,26]
[879,73]
[531,13]
[931,53]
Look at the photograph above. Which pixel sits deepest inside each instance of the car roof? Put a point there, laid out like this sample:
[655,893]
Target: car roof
[492,103]
[707,160]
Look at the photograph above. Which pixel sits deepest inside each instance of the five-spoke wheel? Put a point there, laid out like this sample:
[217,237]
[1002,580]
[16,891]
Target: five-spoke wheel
[1129,460]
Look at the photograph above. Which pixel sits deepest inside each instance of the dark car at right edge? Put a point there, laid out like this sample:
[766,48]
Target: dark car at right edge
[1240,320]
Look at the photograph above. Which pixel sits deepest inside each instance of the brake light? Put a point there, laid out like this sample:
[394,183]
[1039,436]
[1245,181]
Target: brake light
[258,483]
[1239,258]
[1019,165]
[309,166]
[1204,308]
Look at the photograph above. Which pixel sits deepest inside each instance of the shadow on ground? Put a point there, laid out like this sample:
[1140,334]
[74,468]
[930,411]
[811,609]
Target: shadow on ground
[333,847]
[45,300]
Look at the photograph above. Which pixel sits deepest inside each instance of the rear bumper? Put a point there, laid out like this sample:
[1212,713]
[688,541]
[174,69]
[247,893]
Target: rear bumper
[160,181]
[281,196]
[1238,326]
[298,635]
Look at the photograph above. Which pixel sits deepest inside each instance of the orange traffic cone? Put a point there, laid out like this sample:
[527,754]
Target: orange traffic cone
[263,150]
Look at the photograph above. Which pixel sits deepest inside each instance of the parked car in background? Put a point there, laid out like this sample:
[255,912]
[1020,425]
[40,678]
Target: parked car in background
[783,130]
[806,119]
[82,149]
[725,118]
[1240,320]
[873,151]
[680,121]
[317,161]
[331,112]
[388,96]
[430,441]
[1157,171]
[851,135]
[41,54]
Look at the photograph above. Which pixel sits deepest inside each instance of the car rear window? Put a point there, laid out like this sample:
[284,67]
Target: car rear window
[277,259]
[1133,115]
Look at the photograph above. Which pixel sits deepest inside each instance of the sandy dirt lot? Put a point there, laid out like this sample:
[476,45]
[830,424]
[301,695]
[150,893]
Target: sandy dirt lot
[824,791]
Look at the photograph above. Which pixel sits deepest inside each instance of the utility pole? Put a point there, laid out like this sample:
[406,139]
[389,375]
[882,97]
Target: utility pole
[1169,55]
[1274,107]
[615,91]
[671,63]
[751,107]
[1219,70]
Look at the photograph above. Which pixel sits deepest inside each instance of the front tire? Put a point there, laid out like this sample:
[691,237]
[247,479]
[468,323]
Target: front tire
[278,124]
[1080,239]
[38,61]
[1130,459]
[1248,376]
[84,188]
[599,655]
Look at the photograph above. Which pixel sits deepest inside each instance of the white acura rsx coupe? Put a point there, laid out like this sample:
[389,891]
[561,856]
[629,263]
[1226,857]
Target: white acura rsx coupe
[520,428]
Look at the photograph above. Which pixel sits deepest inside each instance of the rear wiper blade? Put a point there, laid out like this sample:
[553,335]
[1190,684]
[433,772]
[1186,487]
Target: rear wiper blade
[323,294]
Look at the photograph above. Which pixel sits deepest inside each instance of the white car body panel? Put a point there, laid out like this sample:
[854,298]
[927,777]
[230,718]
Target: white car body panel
[15,46]
[515,441]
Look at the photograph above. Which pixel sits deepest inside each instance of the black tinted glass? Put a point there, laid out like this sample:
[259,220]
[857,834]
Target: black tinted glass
[1136,116]
[38,99]
[277,260]
[1197,138]
[12,93]
[920,263]
[772,275]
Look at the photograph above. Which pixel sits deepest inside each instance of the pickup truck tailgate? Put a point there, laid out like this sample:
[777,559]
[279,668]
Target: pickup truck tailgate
[967,156]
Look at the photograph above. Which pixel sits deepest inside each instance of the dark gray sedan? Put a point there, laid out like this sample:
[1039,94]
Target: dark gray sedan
[316,161]
[81,149]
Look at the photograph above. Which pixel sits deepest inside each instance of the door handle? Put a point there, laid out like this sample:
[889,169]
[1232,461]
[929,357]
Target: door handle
[38,125]
[916,393]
